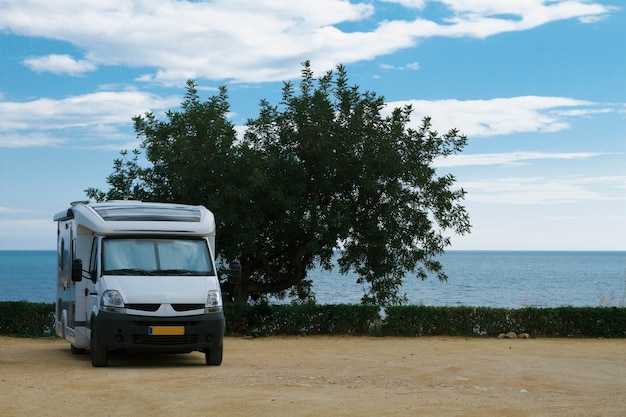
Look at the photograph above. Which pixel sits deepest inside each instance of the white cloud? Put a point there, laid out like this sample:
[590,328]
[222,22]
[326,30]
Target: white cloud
[106,115]
[483,18]
[257,41]
[19,212]
[499,116]
[414,66]
[511,158]
[21,228]
[416,4]
[543,190]
[15,139]
[102,115]
[8,210]
[536,9]
[27,233]
[581,112]
[59,64]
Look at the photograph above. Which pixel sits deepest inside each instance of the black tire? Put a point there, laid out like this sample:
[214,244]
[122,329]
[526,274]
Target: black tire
[213,356]
[99,355]
[77,351]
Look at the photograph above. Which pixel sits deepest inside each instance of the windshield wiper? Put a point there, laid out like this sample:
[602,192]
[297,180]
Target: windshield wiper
[128,271]
[177,272]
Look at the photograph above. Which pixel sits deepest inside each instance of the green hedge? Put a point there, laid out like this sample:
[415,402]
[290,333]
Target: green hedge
[23,318]
[304,319]
[37,319]
[537,322]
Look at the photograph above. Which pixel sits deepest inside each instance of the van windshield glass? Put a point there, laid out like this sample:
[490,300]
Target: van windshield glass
[149,256]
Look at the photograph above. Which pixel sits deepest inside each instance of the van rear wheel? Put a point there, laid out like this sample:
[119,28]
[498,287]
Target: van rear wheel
[99,355]
[213,356]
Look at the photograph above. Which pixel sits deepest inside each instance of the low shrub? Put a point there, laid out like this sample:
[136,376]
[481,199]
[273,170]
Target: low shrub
[23,318]
[299,319]
[28,319]
[484,321]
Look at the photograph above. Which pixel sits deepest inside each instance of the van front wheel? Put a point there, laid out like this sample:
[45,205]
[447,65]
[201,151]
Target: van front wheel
[213,356]
[99,355]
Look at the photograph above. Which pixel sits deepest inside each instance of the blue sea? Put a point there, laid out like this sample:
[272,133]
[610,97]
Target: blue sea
[508,279]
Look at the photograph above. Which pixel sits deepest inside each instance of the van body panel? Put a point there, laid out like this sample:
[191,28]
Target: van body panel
[160,289]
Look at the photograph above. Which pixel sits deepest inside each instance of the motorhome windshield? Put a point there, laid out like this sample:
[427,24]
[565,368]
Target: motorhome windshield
[149,256]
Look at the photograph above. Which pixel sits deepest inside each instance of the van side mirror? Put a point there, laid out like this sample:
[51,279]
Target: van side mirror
[234,275]
[77,270]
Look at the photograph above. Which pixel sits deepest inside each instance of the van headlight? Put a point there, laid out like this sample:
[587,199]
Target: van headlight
[213,302]
[112,302]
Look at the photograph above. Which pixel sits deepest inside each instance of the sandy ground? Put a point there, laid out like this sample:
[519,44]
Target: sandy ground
[323,376]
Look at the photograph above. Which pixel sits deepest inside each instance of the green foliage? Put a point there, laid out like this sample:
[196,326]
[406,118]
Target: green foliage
[309,319]
[299,319]
[37,319]
[23,318]
[537,322]
[323,167]
[122,180]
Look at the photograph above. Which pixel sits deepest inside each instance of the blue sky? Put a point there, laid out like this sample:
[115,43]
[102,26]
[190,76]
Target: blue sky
[538,86]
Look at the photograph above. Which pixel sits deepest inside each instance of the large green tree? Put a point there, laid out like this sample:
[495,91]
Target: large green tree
[321,175]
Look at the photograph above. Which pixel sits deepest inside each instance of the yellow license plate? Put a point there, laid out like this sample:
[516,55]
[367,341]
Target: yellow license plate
[166,330]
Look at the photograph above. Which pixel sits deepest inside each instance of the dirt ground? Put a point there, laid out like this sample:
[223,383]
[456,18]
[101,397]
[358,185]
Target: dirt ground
[323,376]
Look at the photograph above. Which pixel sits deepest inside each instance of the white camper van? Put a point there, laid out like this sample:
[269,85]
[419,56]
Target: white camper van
[138,276]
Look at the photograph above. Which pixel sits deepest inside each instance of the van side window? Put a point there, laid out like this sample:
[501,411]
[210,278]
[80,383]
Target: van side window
[60,251]
[93,258]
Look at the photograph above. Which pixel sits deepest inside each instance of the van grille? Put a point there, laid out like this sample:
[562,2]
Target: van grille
[187,307]
[143,307]
[155,307]
[144,339]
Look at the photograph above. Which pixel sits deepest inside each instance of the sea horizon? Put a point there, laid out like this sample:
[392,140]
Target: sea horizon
[485,278]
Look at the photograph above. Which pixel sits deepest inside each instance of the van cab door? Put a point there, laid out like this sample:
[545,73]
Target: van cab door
[91,294]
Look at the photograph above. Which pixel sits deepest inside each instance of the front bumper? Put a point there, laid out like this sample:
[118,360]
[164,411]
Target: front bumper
[129,332]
